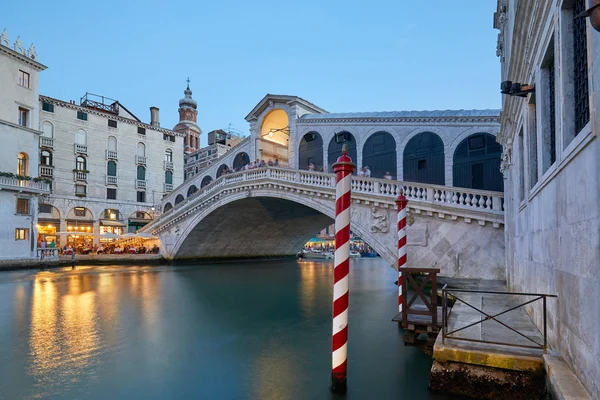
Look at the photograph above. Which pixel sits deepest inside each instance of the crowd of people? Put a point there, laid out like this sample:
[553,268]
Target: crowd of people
[252,165]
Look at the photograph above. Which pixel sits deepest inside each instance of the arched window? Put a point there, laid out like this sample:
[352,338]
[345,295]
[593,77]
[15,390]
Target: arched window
[191,190]
[141,173]
[240,161]
[112,143]
[169,155]
[111,168]
[46,158]
[477,163]
[222,170]
[424,159]
[205,181]
[169,177]
[167,207]
[379,154]
[81,137]
[141,149]
[80,163]
[335,148]
[48,129]
[179,199]
[23,164]
[310,151]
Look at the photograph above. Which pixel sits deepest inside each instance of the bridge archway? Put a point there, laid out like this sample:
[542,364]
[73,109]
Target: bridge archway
[205,181]
[274,136]
[476,163]
[310,150]
[222,169]
[241,160]
[167,207]
[379,154]
[179,199]
[335,148]
[423,159]
[191,190]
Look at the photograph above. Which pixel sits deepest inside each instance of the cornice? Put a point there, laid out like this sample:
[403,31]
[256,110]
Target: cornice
[439,120]
[24,59]
[70,106]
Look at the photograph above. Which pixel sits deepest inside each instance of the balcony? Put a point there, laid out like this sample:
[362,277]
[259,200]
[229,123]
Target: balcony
[46,142]
[111,155]
[47,171]
[140,160]
[80,148]
[9,183]
[140,184]
[80,176]
[168,164]
[111,180]
[168,187]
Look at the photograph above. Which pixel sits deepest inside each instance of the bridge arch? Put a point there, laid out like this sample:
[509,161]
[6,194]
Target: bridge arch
[167,207]
[379,154]
[476,163]
[205,181]
[191,190]
[310,151]
[338,140]
[241,160]
[222,169]
[423,159]
[274,136]
[179,199]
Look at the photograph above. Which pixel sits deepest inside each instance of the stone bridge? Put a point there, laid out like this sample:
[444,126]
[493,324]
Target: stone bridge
[274,211]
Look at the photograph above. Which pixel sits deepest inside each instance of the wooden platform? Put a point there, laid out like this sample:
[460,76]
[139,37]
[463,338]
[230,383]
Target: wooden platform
[419,322]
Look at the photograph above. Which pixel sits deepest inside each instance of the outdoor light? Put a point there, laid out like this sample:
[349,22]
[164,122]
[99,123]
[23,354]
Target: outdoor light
[593,12]
[516,89]
[271,133]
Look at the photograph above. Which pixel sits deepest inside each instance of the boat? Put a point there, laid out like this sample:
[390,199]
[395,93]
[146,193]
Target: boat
[354,254]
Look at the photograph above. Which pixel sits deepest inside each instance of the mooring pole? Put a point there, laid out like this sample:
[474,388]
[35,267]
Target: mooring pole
[401,202]
[343,169]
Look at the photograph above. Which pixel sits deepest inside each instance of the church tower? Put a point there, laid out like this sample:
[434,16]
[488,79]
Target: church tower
[187,122]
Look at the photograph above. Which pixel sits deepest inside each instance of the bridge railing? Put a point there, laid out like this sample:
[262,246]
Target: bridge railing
[463,198]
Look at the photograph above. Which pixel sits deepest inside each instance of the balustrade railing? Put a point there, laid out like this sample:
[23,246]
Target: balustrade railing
[468,199]
[140,160]
[80,176]
[140,184]
[46,171]
[168,164]
[7,182]
[110,154]
[48,253]
[46,142]
[111,180]
[80,148]
[168,187]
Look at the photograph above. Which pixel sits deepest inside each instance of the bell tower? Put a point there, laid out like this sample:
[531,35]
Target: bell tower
[187,121]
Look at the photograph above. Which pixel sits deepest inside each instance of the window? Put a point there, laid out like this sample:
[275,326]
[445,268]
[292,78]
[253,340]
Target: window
[141,173]
[141,197]
[48,129]
[112,143]
[46,158]
[81,115]
[21,234]
[22,164]
[45,209]
[47,107]
[532,137]
[141,131]
[140,215]
[580,77]
[170,138]
[24,79]
[168,155]
[422,164]
[80,211]
[169,177]
[80,163]
[23,206]
[80,190]
[548,107]
[23,116]
[111,168]
[141,149]
[81,137]
[521,167]
[112,123]
[111,194]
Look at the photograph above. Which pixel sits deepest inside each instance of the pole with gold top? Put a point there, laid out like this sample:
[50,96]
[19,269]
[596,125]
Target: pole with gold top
[343,169]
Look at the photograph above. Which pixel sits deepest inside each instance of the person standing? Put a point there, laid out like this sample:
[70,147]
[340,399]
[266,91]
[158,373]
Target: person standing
[367,172]
[387,176]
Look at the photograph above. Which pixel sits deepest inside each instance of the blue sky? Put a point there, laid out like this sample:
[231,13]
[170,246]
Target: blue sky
[344,56]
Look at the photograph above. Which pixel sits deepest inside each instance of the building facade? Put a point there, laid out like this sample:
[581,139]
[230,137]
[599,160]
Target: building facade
[550,71]
[19,115]
[219,143]
[108,169]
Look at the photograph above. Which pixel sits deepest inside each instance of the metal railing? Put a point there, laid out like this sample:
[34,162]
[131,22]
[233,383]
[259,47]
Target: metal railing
[428,310]
[494,317]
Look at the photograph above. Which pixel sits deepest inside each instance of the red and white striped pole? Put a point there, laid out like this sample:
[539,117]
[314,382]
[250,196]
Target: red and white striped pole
[401,202]
[343,169]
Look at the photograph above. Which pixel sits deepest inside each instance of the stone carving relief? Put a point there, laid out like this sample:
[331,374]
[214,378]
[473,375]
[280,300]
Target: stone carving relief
[18,47]
[379,222]
[506,160]
[410,219]
[4,39]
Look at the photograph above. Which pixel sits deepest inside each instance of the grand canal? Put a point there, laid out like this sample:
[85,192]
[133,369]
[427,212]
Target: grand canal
[257,330]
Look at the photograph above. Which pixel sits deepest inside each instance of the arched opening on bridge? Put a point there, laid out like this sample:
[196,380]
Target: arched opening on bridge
[274,137]
[205,181]
[179,199]
[379,154]
[310,151]
[424,159]
[167,207]
[222,169]
[477,163]
[240,161]
[335,148]
[191,190]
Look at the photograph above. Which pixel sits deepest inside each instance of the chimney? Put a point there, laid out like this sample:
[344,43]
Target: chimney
[154,117]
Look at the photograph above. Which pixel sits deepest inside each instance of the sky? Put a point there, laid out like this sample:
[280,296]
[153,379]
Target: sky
[342,55]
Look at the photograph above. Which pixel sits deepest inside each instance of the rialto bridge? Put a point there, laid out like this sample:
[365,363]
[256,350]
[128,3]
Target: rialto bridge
[273,211]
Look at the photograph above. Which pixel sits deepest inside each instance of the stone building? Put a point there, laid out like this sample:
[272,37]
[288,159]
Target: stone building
[219,143]
[550,71]
[108,168]
[19,116]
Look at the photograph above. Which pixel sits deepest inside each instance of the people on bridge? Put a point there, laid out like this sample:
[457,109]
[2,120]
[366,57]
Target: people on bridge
[367,172]
[311,166]
[388,176]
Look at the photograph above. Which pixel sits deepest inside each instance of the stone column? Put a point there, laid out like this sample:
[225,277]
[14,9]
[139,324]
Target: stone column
[62,227]
[96,232]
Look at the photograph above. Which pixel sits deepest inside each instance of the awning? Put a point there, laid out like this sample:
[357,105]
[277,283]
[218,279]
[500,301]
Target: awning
[111,222]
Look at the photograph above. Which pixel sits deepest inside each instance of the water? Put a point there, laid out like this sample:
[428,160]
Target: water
[223,331]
